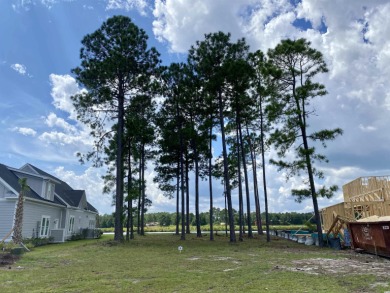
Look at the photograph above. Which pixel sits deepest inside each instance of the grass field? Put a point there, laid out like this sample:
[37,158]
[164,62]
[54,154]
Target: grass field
[153,263]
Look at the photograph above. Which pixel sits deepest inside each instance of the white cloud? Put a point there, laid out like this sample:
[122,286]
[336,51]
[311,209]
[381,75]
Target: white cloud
[264,23]
[181,23]
[53,121]
[368,128]
[61,138]
[19,68]
[63,88]
[24,4]
[25,131]
[77,135]
[27,4]
[140,5]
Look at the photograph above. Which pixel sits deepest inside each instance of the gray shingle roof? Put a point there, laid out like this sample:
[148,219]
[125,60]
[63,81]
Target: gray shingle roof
[68,196]
[13,181]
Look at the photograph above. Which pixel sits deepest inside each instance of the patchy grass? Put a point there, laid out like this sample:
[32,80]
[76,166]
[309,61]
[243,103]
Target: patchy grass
[153,263]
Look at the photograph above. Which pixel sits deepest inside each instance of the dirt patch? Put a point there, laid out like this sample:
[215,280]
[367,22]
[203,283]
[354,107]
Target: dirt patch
[7,260]
[354,264]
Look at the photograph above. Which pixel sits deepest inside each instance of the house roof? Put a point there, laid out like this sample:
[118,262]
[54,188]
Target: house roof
[68,194]
[12,180]
[64,194]
[73,196]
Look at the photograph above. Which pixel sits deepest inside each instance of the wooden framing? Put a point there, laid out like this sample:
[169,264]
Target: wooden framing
[339,222]
[328,215]
[367,189]
[363,197]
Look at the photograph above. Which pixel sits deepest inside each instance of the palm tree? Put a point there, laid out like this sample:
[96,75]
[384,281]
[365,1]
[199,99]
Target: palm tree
[18,224]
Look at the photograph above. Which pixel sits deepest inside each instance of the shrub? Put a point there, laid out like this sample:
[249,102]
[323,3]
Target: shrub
[8,246]
[76,236]
[86,233]
[98,233]
[37,241]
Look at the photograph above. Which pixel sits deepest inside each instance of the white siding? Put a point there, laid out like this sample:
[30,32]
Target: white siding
[33,182]
[7,211]
[33,213]
[81,220]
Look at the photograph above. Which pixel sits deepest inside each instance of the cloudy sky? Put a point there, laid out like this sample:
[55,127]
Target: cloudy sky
[40,44]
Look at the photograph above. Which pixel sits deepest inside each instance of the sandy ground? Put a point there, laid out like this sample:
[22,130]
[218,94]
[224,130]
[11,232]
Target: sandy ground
[352,263]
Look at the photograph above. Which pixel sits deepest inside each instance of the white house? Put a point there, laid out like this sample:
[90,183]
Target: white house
[51,207]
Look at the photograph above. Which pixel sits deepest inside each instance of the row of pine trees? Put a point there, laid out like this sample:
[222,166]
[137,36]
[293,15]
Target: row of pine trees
[225,96]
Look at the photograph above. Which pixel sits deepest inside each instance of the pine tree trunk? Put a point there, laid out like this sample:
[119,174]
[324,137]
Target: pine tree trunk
[131,220]
[248,205]
[240,203]
[226,170]
[301,116]
[255,184]
[129,200]
[263,166]
[226,212]
[313,190]
[183,235]
[177,197]
[198,230]
[129,233]
[211,185]
[119,169]
[128,210]
[188,230]
[143,191]
[139,197]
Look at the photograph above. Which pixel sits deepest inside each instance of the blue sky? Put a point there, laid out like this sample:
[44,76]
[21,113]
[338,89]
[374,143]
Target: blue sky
[40,42]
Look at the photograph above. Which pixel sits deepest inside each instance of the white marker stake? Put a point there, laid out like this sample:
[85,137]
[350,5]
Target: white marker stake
[180,248]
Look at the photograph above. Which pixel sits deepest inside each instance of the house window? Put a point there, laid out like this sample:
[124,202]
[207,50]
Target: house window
[45,227]
[49,190]
[71,224]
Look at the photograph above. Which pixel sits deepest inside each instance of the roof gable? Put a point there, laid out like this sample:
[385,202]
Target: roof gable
[27,168]
[12,180]
[70,196]
[63,194]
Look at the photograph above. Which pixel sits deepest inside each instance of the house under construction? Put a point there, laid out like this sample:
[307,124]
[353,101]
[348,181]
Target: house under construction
[363,197]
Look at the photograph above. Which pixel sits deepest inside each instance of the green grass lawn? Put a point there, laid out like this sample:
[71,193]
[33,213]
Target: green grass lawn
[153,264]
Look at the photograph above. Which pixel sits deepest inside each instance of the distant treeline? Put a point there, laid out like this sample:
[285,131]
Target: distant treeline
[220,217]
